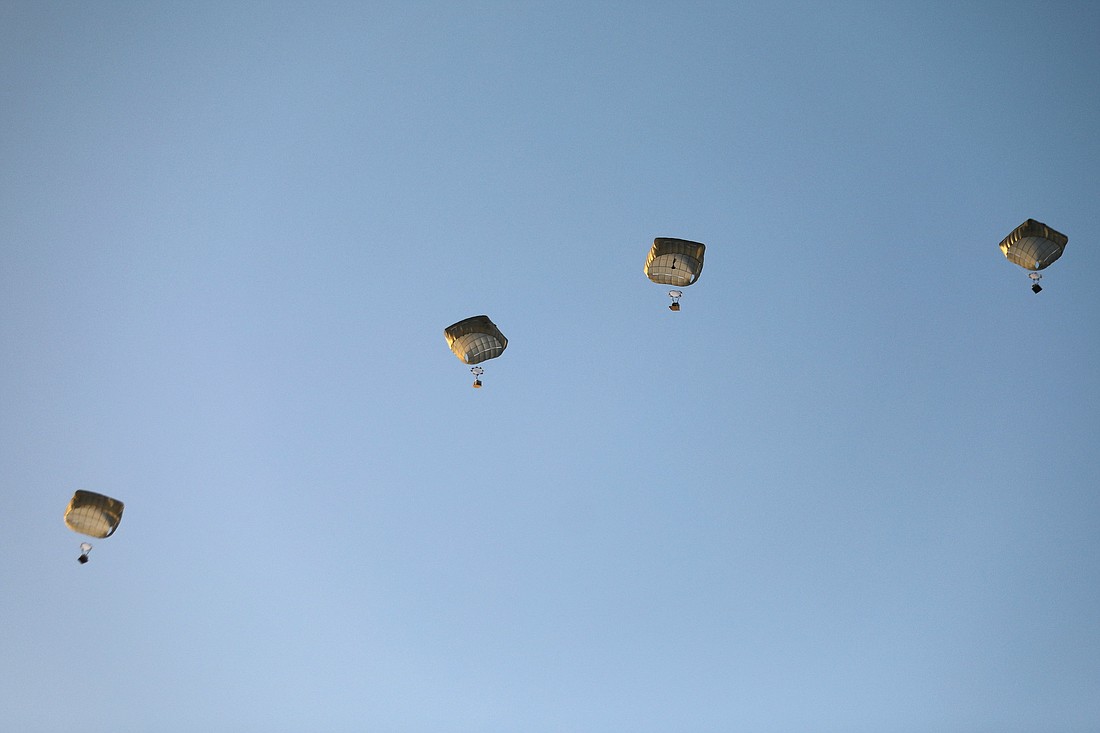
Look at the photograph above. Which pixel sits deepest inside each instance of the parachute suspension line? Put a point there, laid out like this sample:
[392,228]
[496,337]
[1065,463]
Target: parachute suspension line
[675,295]
[1035,278]
[477,372]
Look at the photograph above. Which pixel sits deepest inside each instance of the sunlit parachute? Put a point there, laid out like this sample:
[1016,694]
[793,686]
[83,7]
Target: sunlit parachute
[1034,246]
[676,262]
[475,340]
[93,514]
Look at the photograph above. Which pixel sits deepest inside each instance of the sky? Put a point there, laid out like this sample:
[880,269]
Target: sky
[851,486]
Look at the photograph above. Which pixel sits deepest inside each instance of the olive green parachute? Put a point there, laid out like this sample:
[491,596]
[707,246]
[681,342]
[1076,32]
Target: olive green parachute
[675,262]
[93,514]
[1033,245]
[475,339]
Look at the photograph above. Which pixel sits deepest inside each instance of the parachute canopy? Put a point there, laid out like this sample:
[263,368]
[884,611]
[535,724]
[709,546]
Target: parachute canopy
[93,514]
[475,339]
[675,262]
[1033,245]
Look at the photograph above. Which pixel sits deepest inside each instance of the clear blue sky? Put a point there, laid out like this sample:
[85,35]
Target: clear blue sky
[852,486]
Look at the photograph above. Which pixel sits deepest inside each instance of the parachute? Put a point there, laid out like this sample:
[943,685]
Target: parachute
[676,262]
[94,515]
[1034,246]
[474,340]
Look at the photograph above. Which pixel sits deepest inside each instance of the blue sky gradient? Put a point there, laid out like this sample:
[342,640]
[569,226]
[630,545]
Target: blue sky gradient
[851,486]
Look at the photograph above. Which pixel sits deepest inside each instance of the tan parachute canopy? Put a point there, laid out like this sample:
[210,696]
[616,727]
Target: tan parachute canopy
[475,339]
[676,262]
[1033,245]
[93,514]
